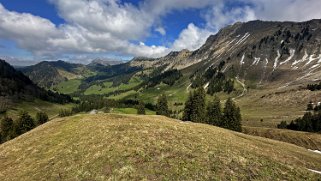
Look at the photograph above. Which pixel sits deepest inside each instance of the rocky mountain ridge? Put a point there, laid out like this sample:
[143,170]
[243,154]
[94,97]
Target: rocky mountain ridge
[258,51]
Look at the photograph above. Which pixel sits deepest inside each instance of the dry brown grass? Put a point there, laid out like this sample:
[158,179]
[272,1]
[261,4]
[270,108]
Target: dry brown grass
[129,147]
[274,106]
[303,139]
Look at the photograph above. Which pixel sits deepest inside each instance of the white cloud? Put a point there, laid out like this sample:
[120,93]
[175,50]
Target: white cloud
[191,38]
[43,38]
[30,32]
[100,16]
[161,31]
[219,16]
[286,10]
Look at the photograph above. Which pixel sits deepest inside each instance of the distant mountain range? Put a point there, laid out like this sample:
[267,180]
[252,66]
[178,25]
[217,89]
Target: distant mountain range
[105,62]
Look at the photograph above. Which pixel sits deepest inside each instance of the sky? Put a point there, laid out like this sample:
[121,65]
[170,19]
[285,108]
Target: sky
[83,30]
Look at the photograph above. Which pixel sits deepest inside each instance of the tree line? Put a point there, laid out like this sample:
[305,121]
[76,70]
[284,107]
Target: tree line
[168,77]
[314,87]
[310,122]
[10,129]
[97,102]
[196,110]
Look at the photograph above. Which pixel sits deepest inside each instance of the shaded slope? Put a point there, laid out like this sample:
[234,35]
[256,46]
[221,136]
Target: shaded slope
[16,86]
[48,74]
[119,147]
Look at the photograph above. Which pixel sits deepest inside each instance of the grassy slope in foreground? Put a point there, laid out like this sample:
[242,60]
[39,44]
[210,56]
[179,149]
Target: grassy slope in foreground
[128,147]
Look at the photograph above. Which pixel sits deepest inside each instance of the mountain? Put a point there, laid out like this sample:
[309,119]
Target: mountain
[47,74]
[263,52]
[104,62]
[15,86]
[128,147]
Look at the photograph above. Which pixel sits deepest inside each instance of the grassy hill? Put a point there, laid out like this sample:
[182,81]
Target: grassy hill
[304,139]
[130,147]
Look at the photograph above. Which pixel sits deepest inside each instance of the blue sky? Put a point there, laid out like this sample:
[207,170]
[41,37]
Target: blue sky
[83,30]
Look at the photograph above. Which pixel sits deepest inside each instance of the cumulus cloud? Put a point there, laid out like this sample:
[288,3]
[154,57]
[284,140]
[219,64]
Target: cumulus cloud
[191,38]
[161,31]
[286,10]
[30,32]
[43,38]
[219,16]
[100,16]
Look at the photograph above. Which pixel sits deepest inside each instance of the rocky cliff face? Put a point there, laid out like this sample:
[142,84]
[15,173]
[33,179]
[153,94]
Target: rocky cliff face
[261,52]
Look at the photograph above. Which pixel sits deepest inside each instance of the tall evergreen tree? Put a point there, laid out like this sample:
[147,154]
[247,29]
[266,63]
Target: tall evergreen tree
[162,106]
[7,128]
[195,107]
[24,123]
[141,108]
[199,106]
[214,112]
[232,116]
[188,107]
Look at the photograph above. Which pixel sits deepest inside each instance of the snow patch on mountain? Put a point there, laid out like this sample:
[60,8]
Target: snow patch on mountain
[292,53]
[246,35]
[304,58]
[311,59]
[206,85]
[276,61]
[242,60]
[266,62]
[256,61]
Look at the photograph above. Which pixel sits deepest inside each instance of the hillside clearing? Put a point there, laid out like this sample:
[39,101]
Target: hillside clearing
[130,147]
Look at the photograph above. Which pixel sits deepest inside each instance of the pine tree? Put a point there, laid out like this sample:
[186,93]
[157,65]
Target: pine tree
[188,107]
[214,112]
[199,106]
[41,118]
[195,108]
[141,108]
[282,125]
[232,116]
[162,106]
[6,127]
[24,123]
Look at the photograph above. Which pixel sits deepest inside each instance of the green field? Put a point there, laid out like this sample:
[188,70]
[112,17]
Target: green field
[36,106]
[108,87]
[129,147]
[68,87]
